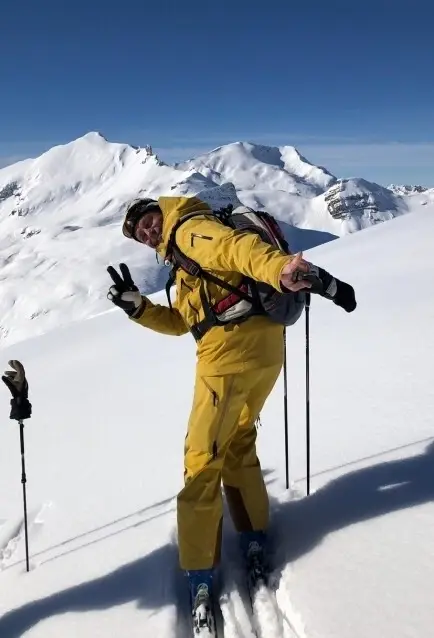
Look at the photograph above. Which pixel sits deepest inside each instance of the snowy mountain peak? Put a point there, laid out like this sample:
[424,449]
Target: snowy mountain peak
[359,203]
[407,189]
[93,136]
[246,164]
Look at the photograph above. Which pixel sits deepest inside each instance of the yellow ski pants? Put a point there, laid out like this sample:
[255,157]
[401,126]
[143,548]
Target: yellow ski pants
[221,446]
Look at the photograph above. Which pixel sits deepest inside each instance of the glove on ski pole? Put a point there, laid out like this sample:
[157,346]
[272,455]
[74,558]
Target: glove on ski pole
[16,381]
[125,294]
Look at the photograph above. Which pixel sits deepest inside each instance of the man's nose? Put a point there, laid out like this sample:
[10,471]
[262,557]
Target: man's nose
[149,234]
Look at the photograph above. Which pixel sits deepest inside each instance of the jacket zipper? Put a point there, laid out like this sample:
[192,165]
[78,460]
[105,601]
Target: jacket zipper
[193,235]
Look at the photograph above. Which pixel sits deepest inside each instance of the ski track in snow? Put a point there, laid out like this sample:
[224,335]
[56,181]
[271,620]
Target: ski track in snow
[292,622]
[8,551]
[106,531]
[12,543]
[271,614]
[236,616]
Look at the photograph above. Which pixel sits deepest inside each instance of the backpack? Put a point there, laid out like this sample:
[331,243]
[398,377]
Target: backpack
[250,297]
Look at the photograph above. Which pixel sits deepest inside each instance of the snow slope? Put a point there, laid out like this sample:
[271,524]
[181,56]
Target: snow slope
[104,463]
[60,217]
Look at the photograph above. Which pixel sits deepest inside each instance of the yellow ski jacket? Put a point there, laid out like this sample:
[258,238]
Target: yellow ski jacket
[228,254]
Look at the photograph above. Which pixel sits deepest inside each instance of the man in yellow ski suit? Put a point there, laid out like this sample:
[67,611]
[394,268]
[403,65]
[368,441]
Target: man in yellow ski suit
[237,367]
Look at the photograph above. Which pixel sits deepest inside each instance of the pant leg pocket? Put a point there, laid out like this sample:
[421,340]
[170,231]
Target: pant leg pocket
[221,430]
[213,393]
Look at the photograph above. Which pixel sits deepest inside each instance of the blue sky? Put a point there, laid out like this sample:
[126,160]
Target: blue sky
[350,84]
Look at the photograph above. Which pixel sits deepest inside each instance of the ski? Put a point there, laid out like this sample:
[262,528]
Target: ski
[266,616]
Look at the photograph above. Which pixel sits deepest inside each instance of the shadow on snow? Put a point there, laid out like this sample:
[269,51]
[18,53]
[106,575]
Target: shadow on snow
[298,527]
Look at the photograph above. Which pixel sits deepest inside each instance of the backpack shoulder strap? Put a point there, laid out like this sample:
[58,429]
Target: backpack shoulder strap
[169,284]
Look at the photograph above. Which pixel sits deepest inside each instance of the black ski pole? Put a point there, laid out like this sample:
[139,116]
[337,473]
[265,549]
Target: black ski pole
[21,409]
[285,407]
[24,481]
[307,311]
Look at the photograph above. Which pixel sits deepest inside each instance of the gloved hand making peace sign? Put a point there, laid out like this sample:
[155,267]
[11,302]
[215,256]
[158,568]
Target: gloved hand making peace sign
[125,293]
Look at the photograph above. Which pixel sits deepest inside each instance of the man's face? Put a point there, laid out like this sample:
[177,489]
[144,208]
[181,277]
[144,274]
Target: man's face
[148,230]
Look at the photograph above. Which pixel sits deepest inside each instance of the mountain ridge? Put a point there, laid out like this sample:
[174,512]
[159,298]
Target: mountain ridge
[60,216]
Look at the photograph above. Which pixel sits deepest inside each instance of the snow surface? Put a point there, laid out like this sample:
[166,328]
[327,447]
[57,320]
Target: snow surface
[60,217]
[111,400]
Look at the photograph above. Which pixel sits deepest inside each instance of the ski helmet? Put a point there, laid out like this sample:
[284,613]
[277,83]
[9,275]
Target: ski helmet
[135,212]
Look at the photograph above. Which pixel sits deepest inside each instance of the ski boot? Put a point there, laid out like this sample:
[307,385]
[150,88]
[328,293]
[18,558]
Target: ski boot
[253,550]
[201,602]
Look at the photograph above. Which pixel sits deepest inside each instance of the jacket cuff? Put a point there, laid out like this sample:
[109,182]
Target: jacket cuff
[140,310]
[281,262]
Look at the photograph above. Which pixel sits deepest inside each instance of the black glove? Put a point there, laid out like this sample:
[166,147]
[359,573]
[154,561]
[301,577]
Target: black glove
[125,293]
[16,381]
[345,296]
[325,285]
